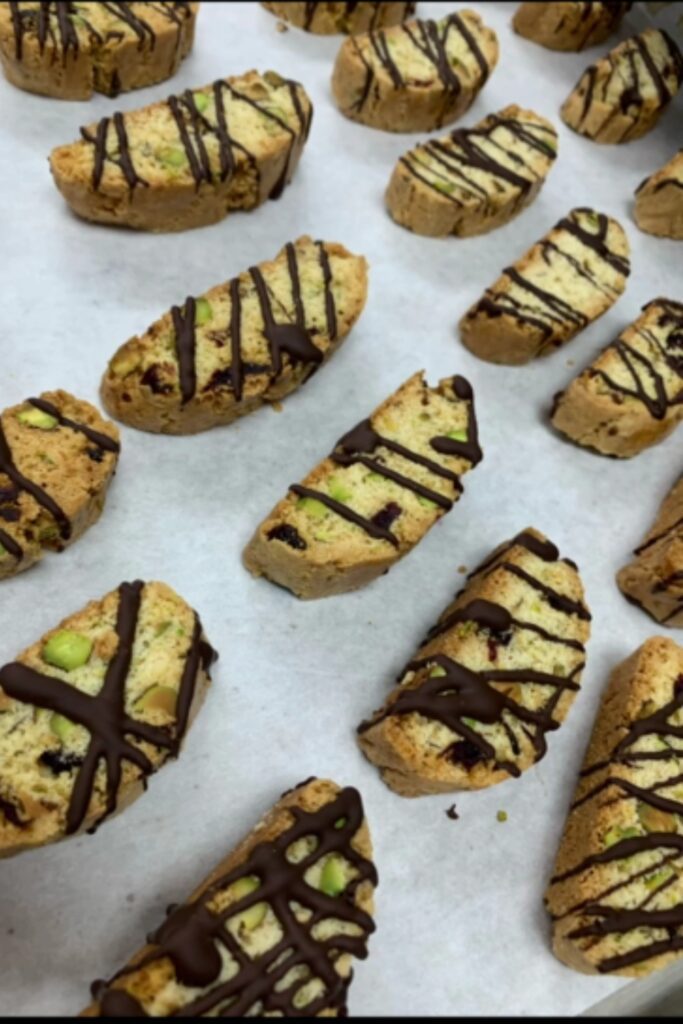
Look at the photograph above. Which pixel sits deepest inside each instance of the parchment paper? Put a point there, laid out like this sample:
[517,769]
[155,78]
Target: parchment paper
[460,922]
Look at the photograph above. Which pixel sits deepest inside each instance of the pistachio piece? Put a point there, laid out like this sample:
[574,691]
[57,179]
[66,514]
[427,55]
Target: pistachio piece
[617,833]
[158,698]
[333,877]
[124,364]
[437,671]
[172,156]
[67,650]
[659,877]
[201,101]
[457,435]
[312,507]
[340,823]
[253,916]
[60,726]
[203,312]
[337,490]
[37,418]
[654,820]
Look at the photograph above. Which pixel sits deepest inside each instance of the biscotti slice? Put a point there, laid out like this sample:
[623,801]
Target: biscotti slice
[616,896]
[191,159]
[273,931]
[475,179]
[569,26]
[659,200]
[622,96]
[499,670]
[654,579]
[631,396]
[252,340]
[417,76]
[93,708]
[71,50]
[57,459]
[331,18]
[563,283]
[369,503]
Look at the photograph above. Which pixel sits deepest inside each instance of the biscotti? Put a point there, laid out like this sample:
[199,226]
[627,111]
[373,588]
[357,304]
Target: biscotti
[569,26]
[327,19]
[189,160]
[93,708]
[71,50]
[500,669]
[417,76]
[616,896]
[622,96]
[568,279]
[57,459]
[631,396]
[659,200]
[654,579]
[475,179]
[273,931]
[369,503]
[252,340]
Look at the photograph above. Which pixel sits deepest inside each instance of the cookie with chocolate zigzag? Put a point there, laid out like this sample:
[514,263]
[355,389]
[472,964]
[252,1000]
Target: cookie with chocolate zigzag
[569,26]
[272,931]
[474,179]
[659,200]
[372,500]
[417,76]
[568,279]
[93,708]
[189,160]
[616,895]
[499,670]
[347,17]
[631,396]
[57,459]
[70,50]
[252,340]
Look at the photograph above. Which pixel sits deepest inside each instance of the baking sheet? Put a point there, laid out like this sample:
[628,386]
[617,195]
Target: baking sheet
[460,922]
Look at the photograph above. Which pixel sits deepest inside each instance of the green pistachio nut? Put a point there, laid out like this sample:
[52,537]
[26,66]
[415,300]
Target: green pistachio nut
[61,726]
[201,101]
[253,916]
[617,834]
[158,698]
[337,490]
[312,507]
[203,312]
[437,671]
[38,419]
[444,186]
[67,650]
[172,157]
[457,435]
[333,876]
[659,878]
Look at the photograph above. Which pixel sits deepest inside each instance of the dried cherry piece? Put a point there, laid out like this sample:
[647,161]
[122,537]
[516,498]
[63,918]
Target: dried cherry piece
[288,535]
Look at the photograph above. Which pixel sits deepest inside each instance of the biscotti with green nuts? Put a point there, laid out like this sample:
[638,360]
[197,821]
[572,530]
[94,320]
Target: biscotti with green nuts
[623,95]
[93,708]
[568,279]
[331,18]
[252,340]
[616,895]
[570,25]
[475,179]
[57,459]
[417,76]
[275,928]
[71,50]
[373,499]
[631,396]
[659,200]
[499,670]
[654,579]
[191,159]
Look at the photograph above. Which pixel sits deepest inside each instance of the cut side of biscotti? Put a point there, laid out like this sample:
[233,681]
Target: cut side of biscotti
[71,50]
[93,708]
[252,340]
[499,670]
[563,283]
[631,396]
[475,179]
[622,96]
[616,896]
[273,931]
[654,579]
[417,76]
[659,200]
[191,159]
[569,26]
[372,500]
[338,17]
[57,459]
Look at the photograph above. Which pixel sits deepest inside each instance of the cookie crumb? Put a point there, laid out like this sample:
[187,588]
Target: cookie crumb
[281,27]
[501,816]
[571,362]
[276,406]
[462,569]
[452,813]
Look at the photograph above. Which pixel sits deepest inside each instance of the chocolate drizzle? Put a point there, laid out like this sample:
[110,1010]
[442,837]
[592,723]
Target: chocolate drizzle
[361,446]
[444,690]
[104,714]
[196,937]
[597,919]
[96,437]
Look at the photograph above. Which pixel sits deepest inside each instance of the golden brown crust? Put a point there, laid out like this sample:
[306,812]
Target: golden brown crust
[659,200]
[568,25]
[331,18]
